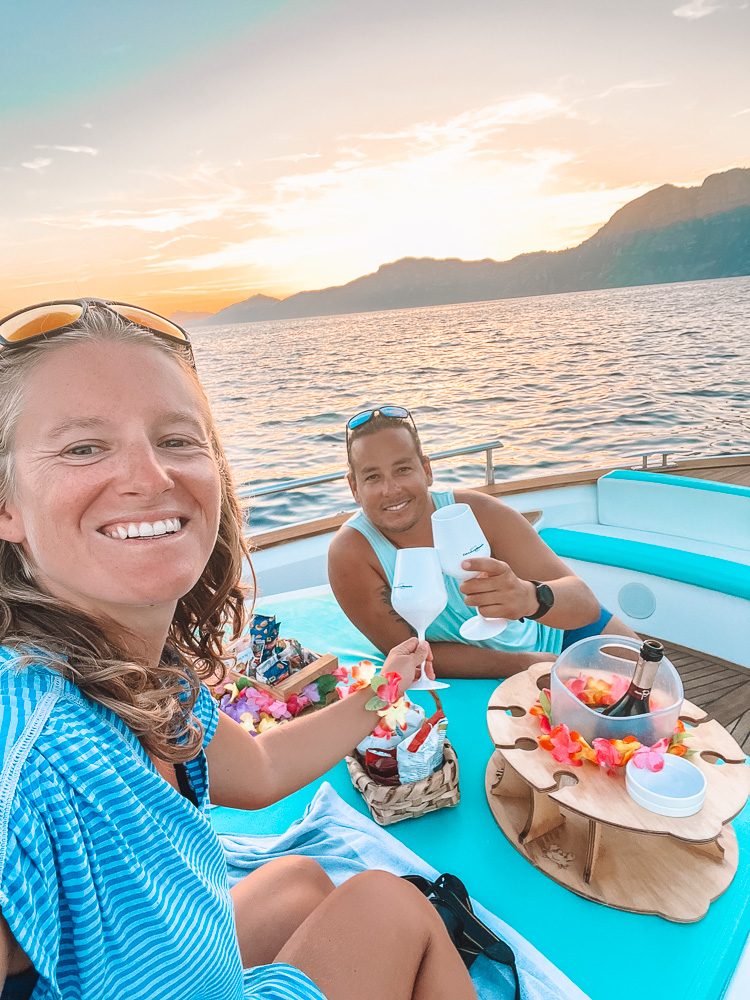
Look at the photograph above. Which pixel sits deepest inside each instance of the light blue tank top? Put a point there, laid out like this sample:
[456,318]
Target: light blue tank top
[518,637]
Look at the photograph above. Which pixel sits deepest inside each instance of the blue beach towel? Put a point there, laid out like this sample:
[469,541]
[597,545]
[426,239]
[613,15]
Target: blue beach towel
[345,842]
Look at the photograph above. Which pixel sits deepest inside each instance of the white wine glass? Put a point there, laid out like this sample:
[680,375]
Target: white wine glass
[419,595]
[458,536]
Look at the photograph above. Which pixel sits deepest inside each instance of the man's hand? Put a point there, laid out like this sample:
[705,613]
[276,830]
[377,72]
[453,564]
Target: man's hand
[497,592]
[405,659]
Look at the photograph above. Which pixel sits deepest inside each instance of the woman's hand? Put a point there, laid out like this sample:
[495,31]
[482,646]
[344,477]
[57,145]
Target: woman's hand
[405,659]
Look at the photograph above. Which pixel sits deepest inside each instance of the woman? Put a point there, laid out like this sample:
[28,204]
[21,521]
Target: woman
[120,559]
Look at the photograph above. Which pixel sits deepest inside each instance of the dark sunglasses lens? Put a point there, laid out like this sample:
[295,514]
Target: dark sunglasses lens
[43,319]
[151,321]
[394,411]
[360,418]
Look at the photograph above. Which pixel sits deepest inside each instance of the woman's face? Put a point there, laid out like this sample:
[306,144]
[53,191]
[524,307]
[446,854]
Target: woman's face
[113,441]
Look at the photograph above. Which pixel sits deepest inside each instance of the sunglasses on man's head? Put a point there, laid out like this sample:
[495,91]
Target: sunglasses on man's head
[396,412]
[48,319]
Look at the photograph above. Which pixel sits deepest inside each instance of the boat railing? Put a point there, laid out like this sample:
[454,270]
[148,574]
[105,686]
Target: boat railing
[647,466]
[249,492]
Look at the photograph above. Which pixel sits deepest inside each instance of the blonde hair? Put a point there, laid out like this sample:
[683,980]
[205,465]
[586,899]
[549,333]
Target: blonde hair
[155,703]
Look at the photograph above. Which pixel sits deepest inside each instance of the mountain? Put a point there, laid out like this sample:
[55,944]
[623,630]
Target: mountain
[668,205]
[180,317]
[668,234]
[256,308]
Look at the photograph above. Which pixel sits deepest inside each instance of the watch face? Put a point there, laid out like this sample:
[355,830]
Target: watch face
[544,595]
[546,599]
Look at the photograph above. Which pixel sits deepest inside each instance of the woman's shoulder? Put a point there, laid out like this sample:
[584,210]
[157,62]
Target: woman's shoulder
[28,693]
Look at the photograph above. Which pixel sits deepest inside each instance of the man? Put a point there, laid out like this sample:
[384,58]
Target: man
[546,604]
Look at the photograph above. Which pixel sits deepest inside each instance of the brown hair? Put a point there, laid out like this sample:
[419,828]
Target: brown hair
[156,704]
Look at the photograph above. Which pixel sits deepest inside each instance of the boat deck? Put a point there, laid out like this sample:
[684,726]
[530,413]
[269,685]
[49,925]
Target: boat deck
[737,472]
[718,687]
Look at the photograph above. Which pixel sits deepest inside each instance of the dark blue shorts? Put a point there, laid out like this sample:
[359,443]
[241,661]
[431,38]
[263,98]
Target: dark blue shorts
[20,985]
[596,628]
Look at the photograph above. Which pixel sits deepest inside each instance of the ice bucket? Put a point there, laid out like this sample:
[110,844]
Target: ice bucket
[601,656]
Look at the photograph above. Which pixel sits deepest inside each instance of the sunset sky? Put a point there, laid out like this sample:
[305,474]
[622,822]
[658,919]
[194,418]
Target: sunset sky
[185,154]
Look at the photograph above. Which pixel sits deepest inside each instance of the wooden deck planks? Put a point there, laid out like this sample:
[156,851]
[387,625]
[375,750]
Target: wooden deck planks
[720,688]
[740,729]
[737,475]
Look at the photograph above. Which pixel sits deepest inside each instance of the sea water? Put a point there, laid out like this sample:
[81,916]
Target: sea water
[583,378]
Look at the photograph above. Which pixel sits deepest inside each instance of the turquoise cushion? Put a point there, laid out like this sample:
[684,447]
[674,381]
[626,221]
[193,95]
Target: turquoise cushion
[584,939]
[697,484]
[721,575]
[718,513]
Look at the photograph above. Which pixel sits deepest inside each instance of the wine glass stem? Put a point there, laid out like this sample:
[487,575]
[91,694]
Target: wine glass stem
[420,638]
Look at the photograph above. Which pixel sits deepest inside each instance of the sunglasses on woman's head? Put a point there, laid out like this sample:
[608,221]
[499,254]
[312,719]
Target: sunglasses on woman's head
[48,319]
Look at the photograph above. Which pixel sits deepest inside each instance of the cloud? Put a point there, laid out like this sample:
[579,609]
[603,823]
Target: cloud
[745,111]
[295,158]
[72,149]
[156,220]
[38,164]
[207,198]
[458,187]
[482,121]
[620,88]
[175,239]
[696,8]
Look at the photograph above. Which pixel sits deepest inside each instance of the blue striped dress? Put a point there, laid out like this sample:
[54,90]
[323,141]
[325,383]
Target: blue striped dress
[113,883]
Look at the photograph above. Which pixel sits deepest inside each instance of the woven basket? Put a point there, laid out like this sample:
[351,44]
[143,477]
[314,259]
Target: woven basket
[391,803]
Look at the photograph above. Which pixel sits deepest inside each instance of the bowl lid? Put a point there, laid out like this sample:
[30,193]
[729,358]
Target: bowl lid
[679,784]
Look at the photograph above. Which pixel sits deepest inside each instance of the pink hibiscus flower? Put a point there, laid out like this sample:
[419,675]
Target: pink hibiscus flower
[651,757]
[389,691]
[607,756]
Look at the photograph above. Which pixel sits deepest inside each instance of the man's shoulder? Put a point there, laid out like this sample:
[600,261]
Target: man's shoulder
[348,543]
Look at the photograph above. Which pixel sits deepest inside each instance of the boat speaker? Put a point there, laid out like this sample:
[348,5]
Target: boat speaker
[636,600]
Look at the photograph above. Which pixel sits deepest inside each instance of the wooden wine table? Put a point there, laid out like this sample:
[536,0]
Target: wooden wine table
[580,827]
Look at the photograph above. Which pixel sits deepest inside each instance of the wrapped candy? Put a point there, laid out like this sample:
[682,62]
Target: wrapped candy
[382,766]
[403,756]
[421,755]
[288,656]
[256,643]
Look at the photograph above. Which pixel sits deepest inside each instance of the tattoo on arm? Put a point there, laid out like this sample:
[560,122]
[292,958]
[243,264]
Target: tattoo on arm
[385,593]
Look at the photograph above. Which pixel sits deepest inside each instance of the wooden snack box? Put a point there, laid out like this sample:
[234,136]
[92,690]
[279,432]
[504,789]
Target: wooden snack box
[325,664]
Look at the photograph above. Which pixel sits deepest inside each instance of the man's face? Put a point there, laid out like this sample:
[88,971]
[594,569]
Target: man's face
[389,480]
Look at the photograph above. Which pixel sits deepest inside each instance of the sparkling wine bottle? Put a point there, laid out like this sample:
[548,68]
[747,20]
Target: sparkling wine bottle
[635,701]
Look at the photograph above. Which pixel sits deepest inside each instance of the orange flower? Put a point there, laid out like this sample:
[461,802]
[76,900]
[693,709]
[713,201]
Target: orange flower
[587,752]
[626,748]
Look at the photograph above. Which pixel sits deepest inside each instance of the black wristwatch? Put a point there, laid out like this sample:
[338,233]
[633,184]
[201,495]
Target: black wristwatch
[545,597]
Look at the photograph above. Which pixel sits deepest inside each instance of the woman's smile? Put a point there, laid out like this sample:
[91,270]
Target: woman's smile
[142,529]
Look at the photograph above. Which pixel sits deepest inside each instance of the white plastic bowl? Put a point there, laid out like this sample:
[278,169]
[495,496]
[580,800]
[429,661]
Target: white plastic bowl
[679,789]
